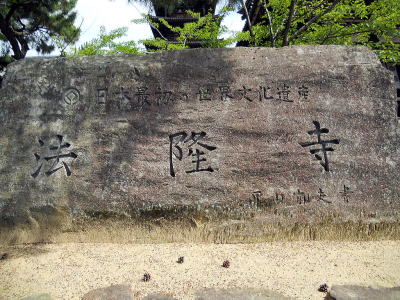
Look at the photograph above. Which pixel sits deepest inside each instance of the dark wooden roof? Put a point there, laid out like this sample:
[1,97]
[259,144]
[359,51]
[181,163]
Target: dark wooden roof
[175,15]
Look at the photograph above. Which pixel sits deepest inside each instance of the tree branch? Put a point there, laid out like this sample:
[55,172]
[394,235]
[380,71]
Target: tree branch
[288,23]
[9,34]
[24,45]
[11,12]
[345,34]
[271,30]
[155,27]
[313,20]
[21,23]
[16,32]
[14,7]
[246,12]
[18,54]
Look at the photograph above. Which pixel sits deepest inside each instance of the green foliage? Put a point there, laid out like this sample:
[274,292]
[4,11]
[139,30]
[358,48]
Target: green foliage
[286,22]
[32,24]
[107,44]
[323,22]
[206,29]
[168,6]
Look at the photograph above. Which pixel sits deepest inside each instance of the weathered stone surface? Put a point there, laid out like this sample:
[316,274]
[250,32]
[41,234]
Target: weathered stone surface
[38,297]
[114,292]
[158,297]
[238,294]
[353,292]
[211,130]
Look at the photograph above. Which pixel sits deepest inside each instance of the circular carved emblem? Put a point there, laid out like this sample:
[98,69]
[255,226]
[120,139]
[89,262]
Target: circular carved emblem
[71,96]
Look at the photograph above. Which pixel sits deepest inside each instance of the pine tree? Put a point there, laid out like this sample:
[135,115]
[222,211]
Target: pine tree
[34,24]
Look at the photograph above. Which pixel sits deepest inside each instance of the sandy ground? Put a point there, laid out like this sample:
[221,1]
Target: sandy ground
[296,269]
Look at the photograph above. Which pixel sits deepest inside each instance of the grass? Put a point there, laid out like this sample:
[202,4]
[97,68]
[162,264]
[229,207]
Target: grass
[258,228]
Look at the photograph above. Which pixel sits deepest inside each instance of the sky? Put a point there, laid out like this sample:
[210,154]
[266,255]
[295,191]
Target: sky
[92,14]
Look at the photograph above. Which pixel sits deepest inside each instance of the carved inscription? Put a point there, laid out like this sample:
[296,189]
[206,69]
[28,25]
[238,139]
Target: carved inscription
[279,198]
[54,161]
[283,93]
[346,193]
[123,99]
[245,94]
[163,97]
[180,142]
[302,197]
[144,96]
[303,92]
[71,96]
[265,93]
[102,100]
[322,196]
[318,131]
[225,92]
[204,93]
[258,201]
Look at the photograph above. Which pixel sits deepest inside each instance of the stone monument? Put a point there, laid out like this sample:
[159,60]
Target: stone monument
[297,132]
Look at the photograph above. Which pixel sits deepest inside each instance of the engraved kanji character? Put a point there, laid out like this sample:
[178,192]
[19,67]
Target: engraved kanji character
[303,92]
[265,93]
[256,198]
[205,93]
[244,94]
[163,97]
[101,96]
[279,198]
[318,131]
[322,196]
[345,193]
[283,93]
[225,90]
[141,96]
[124,100]
[180,139]
[301,197]
[57,158]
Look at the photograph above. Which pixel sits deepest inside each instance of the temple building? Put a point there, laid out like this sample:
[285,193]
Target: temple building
[176,16]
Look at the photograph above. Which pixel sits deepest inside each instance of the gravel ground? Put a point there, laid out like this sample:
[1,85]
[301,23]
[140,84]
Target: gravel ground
[295,269]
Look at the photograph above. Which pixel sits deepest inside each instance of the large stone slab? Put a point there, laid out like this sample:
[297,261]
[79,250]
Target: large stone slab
[114,292]
[238,294]
[354,292]
[158,297]
[38,297]
[311,130]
